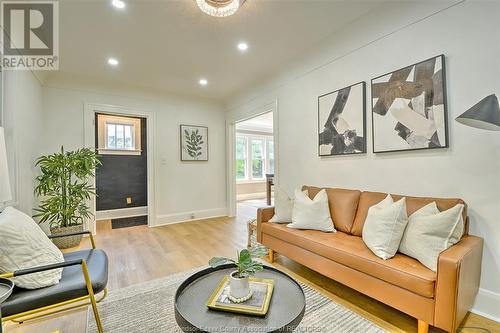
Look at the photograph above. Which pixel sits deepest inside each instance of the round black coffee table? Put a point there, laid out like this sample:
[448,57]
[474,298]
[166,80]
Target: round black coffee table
[192,314]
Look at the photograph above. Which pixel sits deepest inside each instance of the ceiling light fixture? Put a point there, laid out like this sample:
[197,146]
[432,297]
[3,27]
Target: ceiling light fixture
[219,8]
[203,82]
[118,4]
[242,46]
[113,62]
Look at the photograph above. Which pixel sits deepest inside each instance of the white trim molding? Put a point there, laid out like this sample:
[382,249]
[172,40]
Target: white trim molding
[120,213]
[162,220]
[487,304]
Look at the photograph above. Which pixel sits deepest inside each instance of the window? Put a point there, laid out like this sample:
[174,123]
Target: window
[257,159]
[270,156]
[241,158]
[254,157]
[120,136]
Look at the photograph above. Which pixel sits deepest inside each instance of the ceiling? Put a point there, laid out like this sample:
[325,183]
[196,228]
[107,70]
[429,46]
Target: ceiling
[168,45]
[262,123]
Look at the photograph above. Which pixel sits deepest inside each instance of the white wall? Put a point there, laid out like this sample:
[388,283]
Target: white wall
[182,188]
[22,114]
[387,39]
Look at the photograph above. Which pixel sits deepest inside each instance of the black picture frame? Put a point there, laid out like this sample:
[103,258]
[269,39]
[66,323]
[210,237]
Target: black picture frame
[444,99]
[183,158]
[335,135]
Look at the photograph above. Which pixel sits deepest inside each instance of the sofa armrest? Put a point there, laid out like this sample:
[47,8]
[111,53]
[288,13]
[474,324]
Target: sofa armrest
[458,277]
[264,214]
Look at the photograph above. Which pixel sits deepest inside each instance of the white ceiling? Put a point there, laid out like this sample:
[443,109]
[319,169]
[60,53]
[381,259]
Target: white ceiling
[262,123]
[167,45]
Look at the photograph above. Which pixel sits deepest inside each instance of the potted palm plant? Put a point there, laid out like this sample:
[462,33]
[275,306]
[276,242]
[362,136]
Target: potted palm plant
[239,285]
[64,189]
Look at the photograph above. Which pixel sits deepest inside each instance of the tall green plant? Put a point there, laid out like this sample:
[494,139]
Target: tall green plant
[64,188]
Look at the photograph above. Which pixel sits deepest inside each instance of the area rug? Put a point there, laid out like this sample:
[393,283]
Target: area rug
[149,307]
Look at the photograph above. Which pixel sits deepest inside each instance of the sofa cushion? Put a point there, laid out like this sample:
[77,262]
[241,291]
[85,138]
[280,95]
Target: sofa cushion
[343,204]
[368,199]
[350,251]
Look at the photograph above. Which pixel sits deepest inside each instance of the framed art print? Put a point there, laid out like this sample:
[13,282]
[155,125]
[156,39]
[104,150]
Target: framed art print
[409,108]
[194,143]
[342,121]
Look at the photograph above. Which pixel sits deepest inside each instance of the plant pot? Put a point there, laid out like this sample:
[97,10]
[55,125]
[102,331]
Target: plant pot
[67,242]
[238,287]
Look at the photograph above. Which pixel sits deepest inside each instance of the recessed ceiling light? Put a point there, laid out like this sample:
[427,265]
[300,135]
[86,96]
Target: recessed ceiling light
[203,82]
[243,46]
[118,4]
[113,62]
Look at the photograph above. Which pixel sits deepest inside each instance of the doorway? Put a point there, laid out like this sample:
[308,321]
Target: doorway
[254,164]
[124,140]
[121,180]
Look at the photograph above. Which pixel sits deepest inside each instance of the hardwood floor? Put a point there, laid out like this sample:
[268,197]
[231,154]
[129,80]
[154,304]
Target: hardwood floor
[138,254]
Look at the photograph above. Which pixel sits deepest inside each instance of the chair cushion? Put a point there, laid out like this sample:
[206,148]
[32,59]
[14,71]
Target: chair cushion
[71,285]
[343,204]
[349,250]
[413,204]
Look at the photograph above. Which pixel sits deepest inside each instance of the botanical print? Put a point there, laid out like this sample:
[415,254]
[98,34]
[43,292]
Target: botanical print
[341,121]
[194,143]
[409,108]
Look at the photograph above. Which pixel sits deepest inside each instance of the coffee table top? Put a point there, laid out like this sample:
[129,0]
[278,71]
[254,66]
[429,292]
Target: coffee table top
[192,314]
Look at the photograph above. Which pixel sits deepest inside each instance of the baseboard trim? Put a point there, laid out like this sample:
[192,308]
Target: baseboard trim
[120,213]
[487,304]
[162,220]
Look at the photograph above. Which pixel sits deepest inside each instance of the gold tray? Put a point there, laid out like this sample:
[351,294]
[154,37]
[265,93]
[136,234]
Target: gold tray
[252,306]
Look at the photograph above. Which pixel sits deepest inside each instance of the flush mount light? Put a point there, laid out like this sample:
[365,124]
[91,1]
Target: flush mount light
[203,82]
[242,46]
[219,8]
[113,62]
[118,4]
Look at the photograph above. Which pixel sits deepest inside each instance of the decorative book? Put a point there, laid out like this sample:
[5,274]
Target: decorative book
[258,305]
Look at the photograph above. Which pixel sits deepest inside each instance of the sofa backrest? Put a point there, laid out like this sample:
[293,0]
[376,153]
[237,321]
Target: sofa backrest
[349,208]
[413,204]
[343,205]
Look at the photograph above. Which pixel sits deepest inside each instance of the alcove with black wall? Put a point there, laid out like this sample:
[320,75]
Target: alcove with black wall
[122,176]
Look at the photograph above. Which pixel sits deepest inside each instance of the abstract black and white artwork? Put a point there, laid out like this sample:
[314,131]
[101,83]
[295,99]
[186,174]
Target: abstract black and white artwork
[409,108]
[194,143]
[341,121]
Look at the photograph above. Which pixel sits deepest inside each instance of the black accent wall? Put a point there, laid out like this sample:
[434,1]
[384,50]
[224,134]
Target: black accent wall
[122,176]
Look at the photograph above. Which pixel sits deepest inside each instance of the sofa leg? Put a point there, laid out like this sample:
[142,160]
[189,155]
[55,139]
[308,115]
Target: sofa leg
[423,327]
[271,256]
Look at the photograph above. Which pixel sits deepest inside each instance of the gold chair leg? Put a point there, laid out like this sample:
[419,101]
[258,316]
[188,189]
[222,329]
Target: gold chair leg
[91,295]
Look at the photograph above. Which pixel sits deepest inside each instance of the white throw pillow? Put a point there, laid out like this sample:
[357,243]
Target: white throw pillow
[24,245]
[283,206]
[430,232]
[311,214]
[384,227]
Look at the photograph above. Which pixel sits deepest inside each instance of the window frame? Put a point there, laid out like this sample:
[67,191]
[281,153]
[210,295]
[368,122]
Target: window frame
[265,157]
[117,123]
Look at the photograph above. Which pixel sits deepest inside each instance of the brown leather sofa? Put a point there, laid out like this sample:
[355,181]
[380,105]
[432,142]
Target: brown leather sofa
[440,299]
